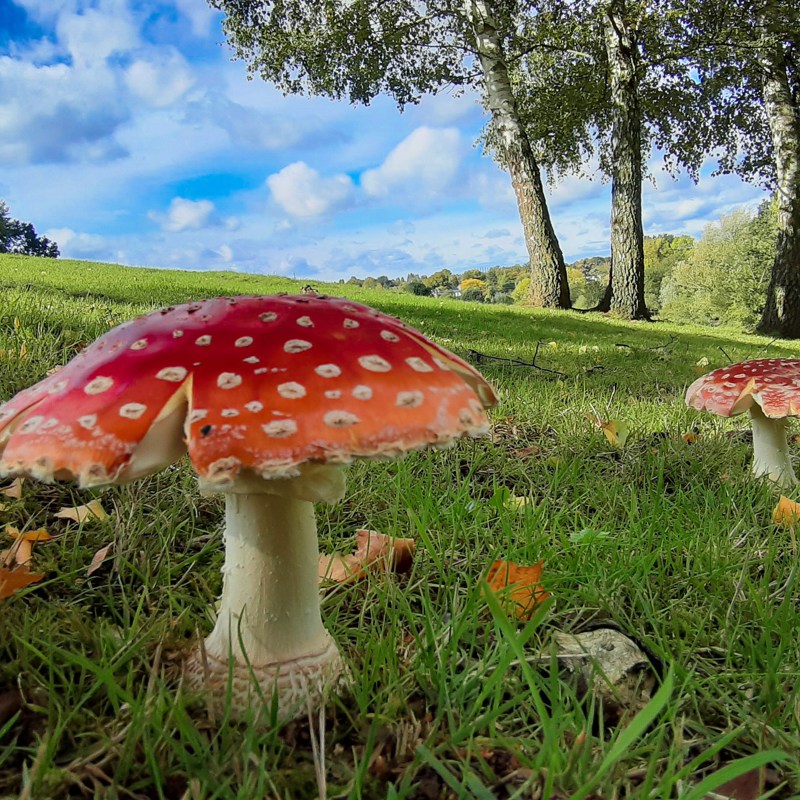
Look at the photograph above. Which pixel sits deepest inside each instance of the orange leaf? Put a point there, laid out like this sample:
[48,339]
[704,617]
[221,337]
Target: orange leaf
[98,558]
[374,551]
[690,437]
[11,580]
[15,490]
[92,510]
[517,586]
[39,535]
[786,513]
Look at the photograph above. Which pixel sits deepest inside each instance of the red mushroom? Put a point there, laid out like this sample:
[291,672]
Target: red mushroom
[769,388]
[271,396]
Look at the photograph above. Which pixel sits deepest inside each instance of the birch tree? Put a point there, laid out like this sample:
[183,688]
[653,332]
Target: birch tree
[358,49]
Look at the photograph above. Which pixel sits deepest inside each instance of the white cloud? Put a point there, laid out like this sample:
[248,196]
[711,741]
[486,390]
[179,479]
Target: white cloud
[302,192]
[425,162]
[94,34]
[160,81]
[200,15]
[185,215]
[72,244]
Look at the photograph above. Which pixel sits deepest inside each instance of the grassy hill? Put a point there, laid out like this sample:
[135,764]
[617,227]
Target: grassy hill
[664,537]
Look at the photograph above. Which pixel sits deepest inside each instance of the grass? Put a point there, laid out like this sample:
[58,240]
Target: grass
[669,542]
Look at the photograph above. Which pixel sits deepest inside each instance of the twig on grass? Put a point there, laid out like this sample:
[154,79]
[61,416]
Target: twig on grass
[479,358]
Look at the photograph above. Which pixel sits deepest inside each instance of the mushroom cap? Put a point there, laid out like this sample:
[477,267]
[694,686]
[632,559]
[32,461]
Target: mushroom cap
[263,384]
[772,383]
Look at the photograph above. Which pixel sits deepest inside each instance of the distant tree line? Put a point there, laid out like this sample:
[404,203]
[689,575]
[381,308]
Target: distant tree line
[21,237]
[570,84]
[720,279]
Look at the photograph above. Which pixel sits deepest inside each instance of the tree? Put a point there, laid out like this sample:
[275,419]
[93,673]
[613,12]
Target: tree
[610,86]
[746,52]
[357,49]
[20,237]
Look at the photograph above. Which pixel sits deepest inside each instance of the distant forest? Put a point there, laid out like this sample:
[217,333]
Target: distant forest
[719,279]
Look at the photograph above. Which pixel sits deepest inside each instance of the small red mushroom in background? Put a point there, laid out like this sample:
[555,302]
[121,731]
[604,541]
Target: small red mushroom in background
[272,397]
[769,388]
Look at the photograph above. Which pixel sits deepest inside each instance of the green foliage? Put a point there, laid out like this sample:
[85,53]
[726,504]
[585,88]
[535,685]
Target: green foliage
[661,254]
[724,277]
[21,237]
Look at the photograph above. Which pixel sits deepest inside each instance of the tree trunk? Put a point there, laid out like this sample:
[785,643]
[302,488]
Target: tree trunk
[549,286]
[781,316]
[626,279]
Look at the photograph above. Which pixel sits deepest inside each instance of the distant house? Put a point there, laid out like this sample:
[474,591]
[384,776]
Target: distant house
[445,291]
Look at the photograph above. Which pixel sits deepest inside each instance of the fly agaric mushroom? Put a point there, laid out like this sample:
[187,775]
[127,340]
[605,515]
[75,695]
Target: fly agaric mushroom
[271,396]
[769,388]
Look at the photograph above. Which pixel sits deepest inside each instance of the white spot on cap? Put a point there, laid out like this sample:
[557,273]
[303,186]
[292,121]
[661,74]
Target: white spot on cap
[350,323]
[243,341]
[51,423]
[87,421]
[340,419]
[333,394]
[132,410]
[139,344]
[268,316]
[57,387]
[374,363]
[418,364]
[350,309]
[305,322]
[291,390]
[328,370]
[98,385]
[31,424]
[362,392]
[252,360]
[177,333]
[229,412]
[255,406]
[441,364]
[260,371]
[409,399]
[203,340]
[296,346]
[173,374]
[389,336]
[229,380]
[280,428]
[198,414]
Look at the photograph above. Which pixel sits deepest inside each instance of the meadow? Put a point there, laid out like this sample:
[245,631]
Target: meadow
[664,537]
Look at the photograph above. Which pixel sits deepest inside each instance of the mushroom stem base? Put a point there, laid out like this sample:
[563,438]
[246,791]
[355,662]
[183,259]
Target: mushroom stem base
[252,691]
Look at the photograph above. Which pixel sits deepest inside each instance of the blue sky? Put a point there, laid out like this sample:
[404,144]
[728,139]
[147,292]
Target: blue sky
[128,135]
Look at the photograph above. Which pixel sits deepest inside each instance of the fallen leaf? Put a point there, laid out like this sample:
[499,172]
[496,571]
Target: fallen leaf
[786,513]
[15,490]
[98,558]
[12,580]
[373,551]
[527,452]
[616,431]
[690,437]
[749,786]
[517,586]
[588,535]
[516,503]
[39,535]
[92,510]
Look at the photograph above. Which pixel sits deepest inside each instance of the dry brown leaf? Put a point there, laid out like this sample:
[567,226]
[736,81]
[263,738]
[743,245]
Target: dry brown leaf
[517,587]
[15,490]
[373,551]
[98,558]
[749,786]
[615,430]
[786,513]
[12,580]
[690,437]
[92,510]
[39,535]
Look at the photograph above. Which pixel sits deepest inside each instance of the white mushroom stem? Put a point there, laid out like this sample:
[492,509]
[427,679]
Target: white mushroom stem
[770,448]
[269,611]
[269,639]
